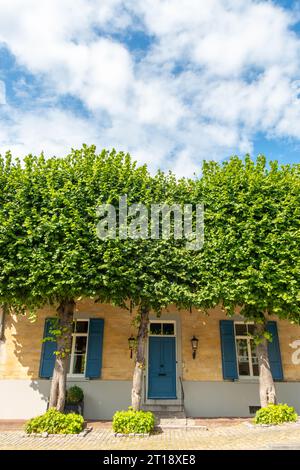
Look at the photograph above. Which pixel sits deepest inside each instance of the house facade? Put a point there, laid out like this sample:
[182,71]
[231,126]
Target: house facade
[219,377]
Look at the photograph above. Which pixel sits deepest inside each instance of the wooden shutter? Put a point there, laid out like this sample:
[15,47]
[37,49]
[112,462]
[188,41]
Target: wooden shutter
[95,346]
[47,355]
[274,352]
[229,363]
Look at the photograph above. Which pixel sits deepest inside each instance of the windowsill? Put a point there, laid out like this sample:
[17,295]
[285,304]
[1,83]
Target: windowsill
[77,378]
[248,379]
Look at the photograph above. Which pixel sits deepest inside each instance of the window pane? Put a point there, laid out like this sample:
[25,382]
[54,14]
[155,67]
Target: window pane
[168,328]
[80,344]
[251,329]
[254,359]
[69,365]
[79,364]
[240,329]
[82,326]
[243,359]
[155,328]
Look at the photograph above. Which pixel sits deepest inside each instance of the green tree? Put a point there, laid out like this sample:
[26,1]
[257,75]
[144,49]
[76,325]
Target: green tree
[50,251]
[152,273]
[251,257]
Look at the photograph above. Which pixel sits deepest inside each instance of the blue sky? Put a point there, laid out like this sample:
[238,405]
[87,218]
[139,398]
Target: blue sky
[172,82]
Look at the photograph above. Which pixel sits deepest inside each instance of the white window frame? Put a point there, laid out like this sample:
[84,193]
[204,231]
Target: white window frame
[72,354]
[162,335]
[248,339]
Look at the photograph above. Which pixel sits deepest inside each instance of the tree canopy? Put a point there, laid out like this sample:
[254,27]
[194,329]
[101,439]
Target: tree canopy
[251,255]
[49,249]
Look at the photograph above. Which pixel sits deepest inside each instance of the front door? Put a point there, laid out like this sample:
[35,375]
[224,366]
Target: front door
[162,368]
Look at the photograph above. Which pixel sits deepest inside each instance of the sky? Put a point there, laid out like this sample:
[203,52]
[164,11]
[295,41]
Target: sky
[173,82]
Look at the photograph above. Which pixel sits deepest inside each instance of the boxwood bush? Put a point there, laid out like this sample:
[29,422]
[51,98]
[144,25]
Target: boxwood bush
[131,421]
[74,395]
[275,414]
[55,422]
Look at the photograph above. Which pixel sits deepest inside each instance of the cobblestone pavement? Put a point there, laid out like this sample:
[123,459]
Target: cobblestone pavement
[238,436]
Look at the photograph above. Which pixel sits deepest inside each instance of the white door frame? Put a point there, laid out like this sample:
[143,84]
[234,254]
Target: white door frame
[166,318]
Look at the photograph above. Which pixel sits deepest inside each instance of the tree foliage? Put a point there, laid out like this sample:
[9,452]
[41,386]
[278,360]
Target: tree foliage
[49,249]
[251,256]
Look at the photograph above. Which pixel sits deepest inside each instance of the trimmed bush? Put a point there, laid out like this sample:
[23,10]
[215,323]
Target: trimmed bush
[55,422]
[74,395]
[275,414]
[131,421]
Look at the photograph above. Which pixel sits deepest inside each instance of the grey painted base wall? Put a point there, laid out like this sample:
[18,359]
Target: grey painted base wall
[232,399]
[23,399]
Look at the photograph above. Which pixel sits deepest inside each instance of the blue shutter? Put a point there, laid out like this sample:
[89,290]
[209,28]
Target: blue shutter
[47,355]
[229,363]
[274,352]
[94,354]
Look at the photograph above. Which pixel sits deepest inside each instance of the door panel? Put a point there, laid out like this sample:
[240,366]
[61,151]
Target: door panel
[162,368]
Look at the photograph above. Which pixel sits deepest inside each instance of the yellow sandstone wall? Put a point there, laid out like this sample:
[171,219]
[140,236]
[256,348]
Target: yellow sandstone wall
[208,363]
[20,352]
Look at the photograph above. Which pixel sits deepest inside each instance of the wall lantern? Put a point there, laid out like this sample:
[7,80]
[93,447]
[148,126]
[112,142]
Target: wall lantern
[194,342]
[131,343]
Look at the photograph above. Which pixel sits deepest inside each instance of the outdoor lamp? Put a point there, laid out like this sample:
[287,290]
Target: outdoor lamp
[131,342]
[194,342]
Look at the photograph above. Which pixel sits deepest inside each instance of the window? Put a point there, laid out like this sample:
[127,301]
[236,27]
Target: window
[79,347]
[162,329]
[246,350]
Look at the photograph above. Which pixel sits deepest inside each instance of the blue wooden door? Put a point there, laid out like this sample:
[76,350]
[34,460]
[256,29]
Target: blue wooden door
[162,368]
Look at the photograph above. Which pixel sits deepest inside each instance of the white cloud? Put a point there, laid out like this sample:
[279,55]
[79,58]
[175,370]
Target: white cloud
[2,93]
[216,72]
[259,104]
[223,36]
[53,132]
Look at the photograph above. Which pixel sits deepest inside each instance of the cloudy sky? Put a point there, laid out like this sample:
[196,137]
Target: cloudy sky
[171,81]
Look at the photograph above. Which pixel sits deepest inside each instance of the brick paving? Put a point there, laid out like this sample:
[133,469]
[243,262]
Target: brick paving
[226,435]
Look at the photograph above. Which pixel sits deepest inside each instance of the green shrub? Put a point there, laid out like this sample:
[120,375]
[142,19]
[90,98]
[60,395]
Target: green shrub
[74,395]
[55,422]
[131,421]
[275,414]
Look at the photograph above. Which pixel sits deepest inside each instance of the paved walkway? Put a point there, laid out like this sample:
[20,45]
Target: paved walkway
[238,435]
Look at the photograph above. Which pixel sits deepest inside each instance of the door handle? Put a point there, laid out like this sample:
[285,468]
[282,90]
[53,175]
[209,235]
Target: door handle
[162,374]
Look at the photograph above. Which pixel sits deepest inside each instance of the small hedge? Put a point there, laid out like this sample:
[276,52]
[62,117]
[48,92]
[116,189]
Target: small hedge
[55,422]
[131,421]
[275,414]
[74,395]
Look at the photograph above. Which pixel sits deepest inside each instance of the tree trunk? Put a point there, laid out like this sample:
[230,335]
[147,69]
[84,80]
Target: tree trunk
[267,390]
[137,383]
[64,341]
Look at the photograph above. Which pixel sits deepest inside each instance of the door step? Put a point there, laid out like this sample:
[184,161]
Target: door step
[162,417]
[175,421]
[162,408]
[172,417]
